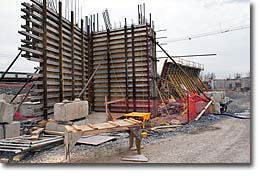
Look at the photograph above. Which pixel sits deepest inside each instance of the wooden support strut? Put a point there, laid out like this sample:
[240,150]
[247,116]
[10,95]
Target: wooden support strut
[133,67]
[61,86]
[148,67]
[108,67]
[45,105]
[90,68]
[126,68]
[83,59]
[72,57]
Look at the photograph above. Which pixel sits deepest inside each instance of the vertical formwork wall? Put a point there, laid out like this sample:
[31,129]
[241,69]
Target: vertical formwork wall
[127,67]
[68,55]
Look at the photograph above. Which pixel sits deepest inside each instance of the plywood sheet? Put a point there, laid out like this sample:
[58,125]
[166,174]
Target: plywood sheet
[95,140]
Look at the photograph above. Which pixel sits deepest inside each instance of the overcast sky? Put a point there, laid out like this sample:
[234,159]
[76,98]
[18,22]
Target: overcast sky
[180,18]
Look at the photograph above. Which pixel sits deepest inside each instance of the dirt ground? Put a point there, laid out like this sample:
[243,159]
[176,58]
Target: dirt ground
[212,139]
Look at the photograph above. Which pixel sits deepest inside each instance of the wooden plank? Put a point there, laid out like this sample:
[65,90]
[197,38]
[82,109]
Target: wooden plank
[164,127]
[36,134]
[115,101]
[113,123]
[54,132]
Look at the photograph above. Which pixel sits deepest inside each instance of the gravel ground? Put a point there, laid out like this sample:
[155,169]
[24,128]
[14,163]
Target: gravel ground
[212,139]
[239,102]
[227,141]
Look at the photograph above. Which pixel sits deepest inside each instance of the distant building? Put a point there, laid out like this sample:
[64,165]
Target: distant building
[238,84]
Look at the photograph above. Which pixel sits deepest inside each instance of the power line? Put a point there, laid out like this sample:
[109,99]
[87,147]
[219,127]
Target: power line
[210,33]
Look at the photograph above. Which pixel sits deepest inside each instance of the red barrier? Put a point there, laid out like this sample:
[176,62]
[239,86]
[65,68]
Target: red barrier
[195,103]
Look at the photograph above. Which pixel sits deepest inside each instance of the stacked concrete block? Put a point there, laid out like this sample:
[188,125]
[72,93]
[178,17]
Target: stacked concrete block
[11,130]
[67,111]
[29,109]
[6,112]
[8,98]
[8,128]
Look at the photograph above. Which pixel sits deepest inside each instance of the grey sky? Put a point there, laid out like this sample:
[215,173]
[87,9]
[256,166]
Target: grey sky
[180,18]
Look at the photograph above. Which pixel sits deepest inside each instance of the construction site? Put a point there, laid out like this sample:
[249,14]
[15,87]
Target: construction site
[96,95]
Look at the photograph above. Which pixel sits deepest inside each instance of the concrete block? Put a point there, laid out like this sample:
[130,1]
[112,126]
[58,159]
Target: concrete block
[54,126]
[10,130]
[6,112]
[67,111]
[8,98]
[29,109]
[219,96]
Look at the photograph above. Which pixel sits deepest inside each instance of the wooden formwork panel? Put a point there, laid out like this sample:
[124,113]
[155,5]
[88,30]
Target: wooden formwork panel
[67,57]
[66,50]
[125,73]
[174,82]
